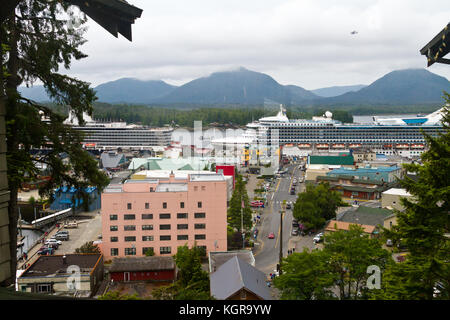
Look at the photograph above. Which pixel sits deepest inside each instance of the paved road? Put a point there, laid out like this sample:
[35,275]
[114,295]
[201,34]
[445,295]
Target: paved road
[268,254]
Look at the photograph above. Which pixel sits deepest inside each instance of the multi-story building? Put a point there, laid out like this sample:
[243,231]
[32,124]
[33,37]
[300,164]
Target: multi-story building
[163,214]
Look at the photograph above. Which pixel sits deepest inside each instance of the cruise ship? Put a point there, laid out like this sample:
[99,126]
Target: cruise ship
[400,136]
[113,135]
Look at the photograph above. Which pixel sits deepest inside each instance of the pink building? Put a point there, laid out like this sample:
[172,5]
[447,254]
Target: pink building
[163,214]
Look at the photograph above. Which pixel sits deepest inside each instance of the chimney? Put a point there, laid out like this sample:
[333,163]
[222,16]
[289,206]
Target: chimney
[171,176]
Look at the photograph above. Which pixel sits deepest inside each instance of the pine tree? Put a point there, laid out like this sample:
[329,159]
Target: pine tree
[423,226]
[39,36]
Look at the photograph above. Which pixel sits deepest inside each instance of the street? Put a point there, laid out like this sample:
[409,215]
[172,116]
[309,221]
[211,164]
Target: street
[267,255]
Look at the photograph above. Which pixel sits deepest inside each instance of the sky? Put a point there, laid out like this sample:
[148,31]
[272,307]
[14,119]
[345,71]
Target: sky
[300,42]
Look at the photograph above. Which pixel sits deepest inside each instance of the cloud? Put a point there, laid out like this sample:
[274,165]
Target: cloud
[305,42]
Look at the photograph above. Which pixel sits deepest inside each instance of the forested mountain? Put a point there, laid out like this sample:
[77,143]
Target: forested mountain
[236,87]
[401,87]
[243,87]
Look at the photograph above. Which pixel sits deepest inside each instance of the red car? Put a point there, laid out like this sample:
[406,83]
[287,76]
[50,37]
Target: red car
[257,204]
[271,235]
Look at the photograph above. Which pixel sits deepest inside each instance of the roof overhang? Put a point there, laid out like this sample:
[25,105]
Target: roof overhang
[438,47]
[116,16]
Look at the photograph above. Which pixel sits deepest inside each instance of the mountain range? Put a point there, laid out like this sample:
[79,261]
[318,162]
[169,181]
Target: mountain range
[245,87]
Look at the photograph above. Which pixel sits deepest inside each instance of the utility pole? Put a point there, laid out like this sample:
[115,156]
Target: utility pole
[283,206]
[242,225]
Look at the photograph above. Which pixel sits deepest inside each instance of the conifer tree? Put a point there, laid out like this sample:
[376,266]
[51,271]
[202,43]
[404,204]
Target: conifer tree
[423,226]
[37,38]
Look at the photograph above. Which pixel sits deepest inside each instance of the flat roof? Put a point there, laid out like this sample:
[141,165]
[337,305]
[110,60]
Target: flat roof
[398,192]
[54,265]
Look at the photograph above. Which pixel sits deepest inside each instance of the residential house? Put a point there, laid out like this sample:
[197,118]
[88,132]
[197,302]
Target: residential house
[238,280]
[152,268]
[63,275]
[218,258]
[335,225]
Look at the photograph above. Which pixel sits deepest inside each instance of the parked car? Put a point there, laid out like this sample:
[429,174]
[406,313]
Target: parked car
[46,251]
[389,243]
[271,235]
[54,246]
[292,191]
[62,236]
[288,206]
[294,232]
[53,241]
[318,238]
[63,232]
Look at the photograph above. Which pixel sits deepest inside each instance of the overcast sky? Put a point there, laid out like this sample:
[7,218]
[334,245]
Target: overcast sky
[301,42]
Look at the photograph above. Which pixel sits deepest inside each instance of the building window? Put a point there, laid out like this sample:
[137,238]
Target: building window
[203,188]
[147,205]
[195,188]
[182,226]
[130,251]
[129,228]
[200,237]
[182,237]
[114,239]
[199,226]
[147,238]
[113,228]
[165,250]
[199,215]
[243,294]
[44,288]
[199,204]
[164,238]
[147,216]
[145,249]
[164,227]
[147,227]
[164,215]
[129,217]
[113,217]
[182,215]
[164,205]
[182,205]
[129,206]
[114,251]
[130,239]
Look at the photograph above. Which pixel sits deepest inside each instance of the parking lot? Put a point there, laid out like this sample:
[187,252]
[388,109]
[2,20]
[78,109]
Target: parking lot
[89,228]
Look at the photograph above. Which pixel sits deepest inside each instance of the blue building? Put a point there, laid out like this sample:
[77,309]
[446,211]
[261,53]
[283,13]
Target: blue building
[65,197]
[383,174]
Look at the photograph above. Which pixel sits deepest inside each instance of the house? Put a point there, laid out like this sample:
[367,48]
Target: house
[391,198]
[112,160]
[143,269]
[238,280]
[390,221]
[351,187]
[218,258]
[335,225]
[365,216]
[54,274]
